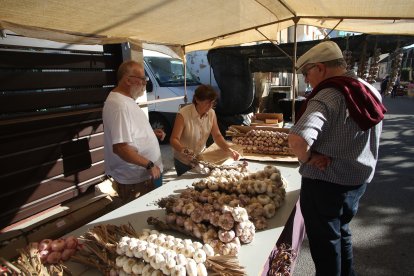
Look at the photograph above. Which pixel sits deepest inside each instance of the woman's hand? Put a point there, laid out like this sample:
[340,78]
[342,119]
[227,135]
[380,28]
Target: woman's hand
[159,133]
[189,154]
[233,154]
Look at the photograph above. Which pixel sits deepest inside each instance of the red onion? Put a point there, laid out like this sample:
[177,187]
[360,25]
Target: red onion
[58,245]
[45,244]
[67,253]
[43,255]
[54,257]
[71,242]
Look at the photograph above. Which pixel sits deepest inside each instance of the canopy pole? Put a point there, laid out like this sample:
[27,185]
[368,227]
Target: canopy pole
[185,76]
[334,28]
[294,86]
[275,44]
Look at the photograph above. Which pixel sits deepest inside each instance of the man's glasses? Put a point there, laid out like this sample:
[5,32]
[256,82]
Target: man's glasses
[145,78]
[305,72]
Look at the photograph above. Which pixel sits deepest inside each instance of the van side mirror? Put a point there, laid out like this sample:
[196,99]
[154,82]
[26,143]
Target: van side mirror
[149,87]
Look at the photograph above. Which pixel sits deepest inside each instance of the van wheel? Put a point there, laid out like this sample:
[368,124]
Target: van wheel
[158,121]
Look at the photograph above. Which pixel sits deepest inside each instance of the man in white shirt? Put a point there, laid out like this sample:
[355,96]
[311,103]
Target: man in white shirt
[132,152]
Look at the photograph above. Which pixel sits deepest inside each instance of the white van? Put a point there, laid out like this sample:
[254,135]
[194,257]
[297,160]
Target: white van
[166,82]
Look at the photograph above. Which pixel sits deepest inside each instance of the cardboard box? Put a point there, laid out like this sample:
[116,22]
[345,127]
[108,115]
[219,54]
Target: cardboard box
[268,119]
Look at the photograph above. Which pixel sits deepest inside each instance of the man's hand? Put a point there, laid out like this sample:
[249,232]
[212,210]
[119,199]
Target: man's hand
[155,172]
[320,161]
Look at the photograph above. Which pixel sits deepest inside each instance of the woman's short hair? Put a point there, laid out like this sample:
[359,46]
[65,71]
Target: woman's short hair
[204,92]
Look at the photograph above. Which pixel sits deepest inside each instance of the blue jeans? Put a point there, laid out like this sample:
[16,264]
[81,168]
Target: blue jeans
[180,167]
[327,209]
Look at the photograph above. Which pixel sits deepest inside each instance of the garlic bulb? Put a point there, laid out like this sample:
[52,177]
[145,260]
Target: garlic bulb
[120,260]
[157,260]
[157,272]
[197,245]
[181,260]
[127,267]
[239,214]
[166,270]
[208,249]
[147,270]
[178,270]
[226,236]
[191,267]
[189,251]
[199,256]
[137,268]
[245,231]
[201,269]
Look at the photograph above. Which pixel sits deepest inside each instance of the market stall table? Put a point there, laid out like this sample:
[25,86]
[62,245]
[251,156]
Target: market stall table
[252,256]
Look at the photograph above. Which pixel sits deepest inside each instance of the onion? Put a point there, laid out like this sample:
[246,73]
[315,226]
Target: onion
[67,253]
[43,255]
[58,245]
[54,257]
[71,242]
[45,244]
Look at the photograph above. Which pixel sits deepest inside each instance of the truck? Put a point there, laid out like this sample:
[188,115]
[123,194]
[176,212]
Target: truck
[168,88]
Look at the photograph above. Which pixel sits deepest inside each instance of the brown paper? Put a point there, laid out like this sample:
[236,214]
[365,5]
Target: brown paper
[214,154]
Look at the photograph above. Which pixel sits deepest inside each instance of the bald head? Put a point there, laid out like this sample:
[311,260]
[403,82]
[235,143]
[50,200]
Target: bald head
[127,67]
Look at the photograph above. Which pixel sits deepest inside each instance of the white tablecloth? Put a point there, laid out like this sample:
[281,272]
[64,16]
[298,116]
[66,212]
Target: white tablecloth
[252,256]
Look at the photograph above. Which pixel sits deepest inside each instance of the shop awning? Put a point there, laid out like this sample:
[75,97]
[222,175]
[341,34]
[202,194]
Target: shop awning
[197,24]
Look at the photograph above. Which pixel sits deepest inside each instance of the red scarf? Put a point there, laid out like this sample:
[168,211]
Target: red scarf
[364,108]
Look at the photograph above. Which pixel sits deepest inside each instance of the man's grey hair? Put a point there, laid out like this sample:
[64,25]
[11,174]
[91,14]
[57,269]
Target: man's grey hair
[340,62]
[125,68]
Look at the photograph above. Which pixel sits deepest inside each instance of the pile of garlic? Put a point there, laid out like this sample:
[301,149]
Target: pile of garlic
[223,227]
[155,253]
[264,142]
[261,193]
[208,167]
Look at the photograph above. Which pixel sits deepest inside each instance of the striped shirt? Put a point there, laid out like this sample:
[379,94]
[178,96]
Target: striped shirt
[328,129]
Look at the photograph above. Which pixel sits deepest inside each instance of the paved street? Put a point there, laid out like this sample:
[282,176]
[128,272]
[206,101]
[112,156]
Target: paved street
[383,229]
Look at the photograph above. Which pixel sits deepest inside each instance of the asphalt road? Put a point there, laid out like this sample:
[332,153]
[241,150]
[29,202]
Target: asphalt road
[383,229]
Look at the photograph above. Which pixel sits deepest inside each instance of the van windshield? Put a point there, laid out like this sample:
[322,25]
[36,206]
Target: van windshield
[170,71]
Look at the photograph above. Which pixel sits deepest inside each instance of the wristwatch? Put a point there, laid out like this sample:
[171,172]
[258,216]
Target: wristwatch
[150,165]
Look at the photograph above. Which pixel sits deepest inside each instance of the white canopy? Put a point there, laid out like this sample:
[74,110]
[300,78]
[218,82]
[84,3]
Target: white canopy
[197,24]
